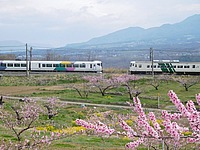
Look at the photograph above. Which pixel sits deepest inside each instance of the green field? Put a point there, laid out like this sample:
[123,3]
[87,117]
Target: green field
[67,114]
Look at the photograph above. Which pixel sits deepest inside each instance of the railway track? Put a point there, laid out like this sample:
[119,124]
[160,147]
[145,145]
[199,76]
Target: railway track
[21,73]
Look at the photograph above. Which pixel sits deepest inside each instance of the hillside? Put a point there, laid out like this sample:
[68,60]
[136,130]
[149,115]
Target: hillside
[185,34]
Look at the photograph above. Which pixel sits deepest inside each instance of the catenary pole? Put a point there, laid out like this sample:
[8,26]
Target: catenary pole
[152,65]
[27,72]
[30,58]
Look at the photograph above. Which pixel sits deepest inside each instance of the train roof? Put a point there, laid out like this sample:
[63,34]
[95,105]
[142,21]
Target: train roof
[23,61]
[163,61]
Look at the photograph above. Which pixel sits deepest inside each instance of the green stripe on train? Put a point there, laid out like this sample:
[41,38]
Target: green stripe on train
[167,67]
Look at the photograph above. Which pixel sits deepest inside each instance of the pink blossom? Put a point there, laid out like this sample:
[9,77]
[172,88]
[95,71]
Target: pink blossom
[135,144]
[198,99]
[99,127]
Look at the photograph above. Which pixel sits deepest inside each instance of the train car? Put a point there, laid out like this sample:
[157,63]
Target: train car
[57,66]
[164,66]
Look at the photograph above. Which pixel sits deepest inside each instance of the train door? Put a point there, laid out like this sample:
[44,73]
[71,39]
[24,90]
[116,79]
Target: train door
[99,67]
[91,66]
[35,66]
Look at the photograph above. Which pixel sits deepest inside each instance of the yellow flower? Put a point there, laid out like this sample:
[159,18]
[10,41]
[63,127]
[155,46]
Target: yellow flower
[129,122]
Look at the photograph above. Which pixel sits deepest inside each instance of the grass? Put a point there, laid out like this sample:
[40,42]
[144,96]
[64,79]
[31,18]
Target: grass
[68,114]
[149,96]
[90,142]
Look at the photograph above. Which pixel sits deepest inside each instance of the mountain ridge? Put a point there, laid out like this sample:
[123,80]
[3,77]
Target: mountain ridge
[178,34]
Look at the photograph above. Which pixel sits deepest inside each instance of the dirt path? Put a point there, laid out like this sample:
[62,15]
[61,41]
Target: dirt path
[13,90]
[17,90]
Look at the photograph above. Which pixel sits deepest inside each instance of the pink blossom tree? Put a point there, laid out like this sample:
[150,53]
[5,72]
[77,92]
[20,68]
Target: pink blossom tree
[102,83]
[107,83]
[24,118]
[174,129]
[51,107]
[128,81]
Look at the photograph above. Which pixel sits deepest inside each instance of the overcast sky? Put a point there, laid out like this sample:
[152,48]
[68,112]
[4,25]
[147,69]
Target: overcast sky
[60,22]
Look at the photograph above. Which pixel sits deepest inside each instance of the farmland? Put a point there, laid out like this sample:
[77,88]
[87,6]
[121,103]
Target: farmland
[66,87]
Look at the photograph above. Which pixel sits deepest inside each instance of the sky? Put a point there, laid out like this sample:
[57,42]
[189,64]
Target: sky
[60,22]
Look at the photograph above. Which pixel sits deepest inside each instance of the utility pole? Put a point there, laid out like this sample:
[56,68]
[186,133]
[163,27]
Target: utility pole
[30,58]
[151,59]
[27,72]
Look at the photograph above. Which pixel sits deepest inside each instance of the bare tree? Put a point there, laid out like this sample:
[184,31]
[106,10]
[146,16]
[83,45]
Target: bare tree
[82,90]
[187,81]
[155,83]
[1,101]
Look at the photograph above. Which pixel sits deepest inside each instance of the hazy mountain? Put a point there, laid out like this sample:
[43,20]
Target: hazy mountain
[11,43]
[185,34]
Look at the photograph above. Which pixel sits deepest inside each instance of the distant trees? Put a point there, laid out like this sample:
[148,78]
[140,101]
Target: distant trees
[50,55]
[7,57]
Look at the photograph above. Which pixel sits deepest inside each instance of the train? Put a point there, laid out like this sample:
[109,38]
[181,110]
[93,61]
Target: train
[136,67]
[164,66]
[54,66]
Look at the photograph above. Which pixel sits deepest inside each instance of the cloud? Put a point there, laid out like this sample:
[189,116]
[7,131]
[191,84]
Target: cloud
[80,20]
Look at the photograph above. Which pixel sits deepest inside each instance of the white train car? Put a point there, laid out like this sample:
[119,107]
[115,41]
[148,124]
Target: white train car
[164,66]
[57,66]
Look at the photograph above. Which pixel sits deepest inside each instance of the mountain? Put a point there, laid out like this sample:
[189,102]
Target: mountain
[185,34]
[11,43]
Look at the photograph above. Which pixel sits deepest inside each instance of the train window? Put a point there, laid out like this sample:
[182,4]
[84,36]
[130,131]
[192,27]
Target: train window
[10,65]
[16,65]
[43,65]
[69,65]
[174,66]
[148,66]
[180,66]
[23,65]
[154,66]
[49,65]
[193,66]
[3,65]
[98,64]
[55,65]
[62,65]
[158,66]
[140,66]
[135,65]
[76,65]
[90,65]
[82,65]
[186,66]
